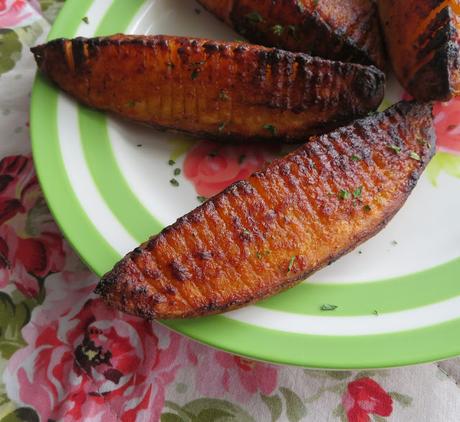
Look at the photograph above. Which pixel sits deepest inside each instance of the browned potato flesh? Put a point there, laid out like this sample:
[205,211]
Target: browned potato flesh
[346,30]
[423,42]
[215,89]
[264,234]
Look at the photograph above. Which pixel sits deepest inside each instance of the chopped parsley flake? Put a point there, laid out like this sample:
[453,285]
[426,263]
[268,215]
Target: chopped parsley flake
[177,172]
[272,129]
[223,95]
[291,263]
[376,313]
[394,242]
[174,182]
[254,17]
[356,158]
[246,232]
[139,145]
[367,208]
[395,148]
[278,29]
[344,194]
[195,73]
[414,156]
[328,307]
[315,3]
[85,19]
[201,198]
[171,162]
[357,193]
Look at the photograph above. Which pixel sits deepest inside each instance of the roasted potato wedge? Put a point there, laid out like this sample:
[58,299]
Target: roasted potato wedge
[345,30]
[423,42]
[264,234]
[206,88]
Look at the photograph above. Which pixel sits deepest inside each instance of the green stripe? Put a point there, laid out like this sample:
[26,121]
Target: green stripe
[113,187]
[119,16]
[49,164]
[407,292]
[69,19]
[339,352]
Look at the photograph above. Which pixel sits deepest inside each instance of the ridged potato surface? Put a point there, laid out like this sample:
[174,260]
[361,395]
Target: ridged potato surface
[345,30]
[264,234]
[222,90]
[423,42]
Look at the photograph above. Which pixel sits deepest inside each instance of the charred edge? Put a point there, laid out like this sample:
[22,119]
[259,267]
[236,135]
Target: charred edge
[440,31]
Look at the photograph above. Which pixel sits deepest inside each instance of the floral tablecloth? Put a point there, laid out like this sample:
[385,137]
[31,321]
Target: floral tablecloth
[65,356]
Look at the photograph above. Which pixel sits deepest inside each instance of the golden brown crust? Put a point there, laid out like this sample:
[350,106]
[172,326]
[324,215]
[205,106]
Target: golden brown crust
[262,235]
[345,30]
[423,42]
[215,89]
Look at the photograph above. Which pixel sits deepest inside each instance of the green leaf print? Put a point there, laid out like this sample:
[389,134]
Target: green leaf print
[13,318]
[50,8]
[295,409]
[274,404]
[10,50]
[23,414]
[402,399]
[206,410]
[443,162]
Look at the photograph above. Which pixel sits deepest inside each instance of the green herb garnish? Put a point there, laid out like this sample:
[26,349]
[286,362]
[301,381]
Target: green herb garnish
[291,263]
[223,95]
[376,313]
[344,194]
[177,172]
[171,162]
[272,129]
[328,307]
[414,156]
[395,148]
[367,208]
[195,73]
[356,158]
[357,193]
[85,19]
[277,30]
[254,17]
[201,198]
[221,126]
[174,182]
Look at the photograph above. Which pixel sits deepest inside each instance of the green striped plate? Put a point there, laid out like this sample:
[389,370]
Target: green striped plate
[397,304]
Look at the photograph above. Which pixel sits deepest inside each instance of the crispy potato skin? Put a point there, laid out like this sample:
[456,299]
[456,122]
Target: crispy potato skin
[345,30]
[264,234]
[423,42]
[206,88]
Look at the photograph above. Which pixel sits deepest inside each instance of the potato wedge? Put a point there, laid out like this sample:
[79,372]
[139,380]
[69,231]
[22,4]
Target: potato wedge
[206,88]
[423,42]
[264,234]
[345,30]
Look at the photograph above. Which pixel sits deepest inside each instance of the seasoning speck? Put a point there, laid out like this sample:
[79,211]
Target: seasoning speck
[171,162]
[328,307]
[223,95]
[394,242]
[291,263]
[197,11]
[395,148]
[254,17]
[357,193]
[414,156]
[355,158]
[221,126]
[272,129]
[241,158]
[277,30]
[194,74]
[344,194]
[85,19]
[376,313]
[177,172]
[201,198]
[174,182]
[367,208]
[139,145]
